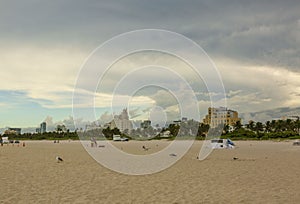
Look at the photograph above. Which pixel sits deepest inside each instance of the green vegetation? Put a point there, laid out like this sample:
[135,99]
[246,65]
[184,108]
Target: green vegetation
[44,136]
[108,133]
[275,129]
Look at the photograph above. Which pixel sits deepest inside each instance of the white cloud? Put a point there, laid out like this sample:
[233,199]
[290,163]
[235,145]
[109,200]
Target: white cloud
[105,118]
[43,73]
[255,88]
[49,121]
[47,77]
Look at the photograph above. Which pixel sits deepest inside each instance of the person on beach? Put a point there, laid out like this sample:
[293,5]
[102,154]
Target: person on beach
[93,142]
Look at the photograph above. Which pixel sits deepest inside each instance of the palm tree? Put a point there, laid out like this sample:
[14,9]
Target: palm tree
[289,124]
[268,126]
[237,125]
[297,126]
[259,127]
[251,125]
[273,125]
[202,129]
[225,129]
[279,126]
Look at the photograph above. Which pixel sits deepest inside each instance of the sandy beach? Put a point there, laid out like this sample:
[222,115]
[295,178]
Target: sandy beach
[265,172]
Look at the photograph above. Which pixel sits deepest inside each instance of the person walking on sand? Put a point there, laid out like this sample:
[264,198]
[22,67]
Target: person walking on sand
[93,142]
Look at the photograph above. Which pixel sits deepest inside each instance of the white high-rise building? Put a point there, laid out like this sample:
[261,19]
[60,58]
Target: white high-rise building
[122,122]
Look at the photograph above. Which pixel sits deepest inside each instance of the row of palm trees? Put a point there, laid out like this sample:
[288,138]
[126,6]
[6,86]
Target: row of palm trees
[274,126]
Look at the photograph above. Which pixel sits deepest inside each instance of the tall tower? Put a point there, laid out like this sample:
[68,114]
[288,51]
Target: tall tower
[43,127]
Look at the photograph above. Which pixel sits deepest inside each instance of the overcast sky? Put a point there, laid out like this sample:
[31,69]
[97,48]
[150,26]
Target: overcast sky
[254,44]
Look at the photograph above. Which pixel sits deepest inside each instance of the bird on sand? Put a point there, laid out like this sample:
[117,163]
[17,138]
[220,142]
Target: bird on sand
[59,159]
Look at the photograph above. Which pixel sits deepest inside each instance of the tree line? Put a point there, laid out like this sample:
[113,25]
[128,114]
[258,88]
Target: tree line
[43,136]
[275,129]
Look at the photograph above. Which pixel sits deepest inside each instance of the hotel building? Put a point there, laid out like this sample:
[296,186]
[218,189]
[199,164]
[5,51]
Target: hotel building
[121,121]
[221,115]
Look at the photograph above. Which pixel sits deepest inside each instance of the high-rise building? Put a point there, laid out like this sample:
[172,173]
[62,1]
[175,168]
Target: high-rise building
[121,121]
[43,127]
[221,115]
[38,130]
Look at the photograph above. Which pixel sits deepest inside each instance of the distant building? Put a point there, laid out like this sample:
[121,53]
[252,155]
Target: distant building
[289,117]
[92,126]
[121,121]
[15,131]
[38,130]
[177,122]
[221,115]
[146,124]
[184,119]
[43,127]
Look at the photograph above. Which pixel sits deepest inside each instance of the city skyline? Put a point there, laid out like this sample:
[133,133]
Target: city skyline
[214,115]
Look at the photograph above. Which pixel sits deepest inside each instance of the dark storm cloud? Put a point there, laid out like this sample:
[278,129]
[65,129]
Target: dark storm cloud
[260,32]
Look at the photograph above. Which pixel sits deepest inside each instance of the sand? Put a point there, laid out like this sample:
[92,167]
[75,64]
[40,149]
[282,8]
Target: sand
[265,172]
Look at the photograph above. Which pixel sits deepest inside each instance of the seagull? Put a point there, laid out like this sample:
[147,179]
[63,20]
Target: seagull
[145,148]
[59,159]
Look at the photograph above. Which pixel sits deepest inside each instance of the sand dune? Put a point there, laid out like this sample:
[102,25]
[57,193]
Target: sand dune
[265,172]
